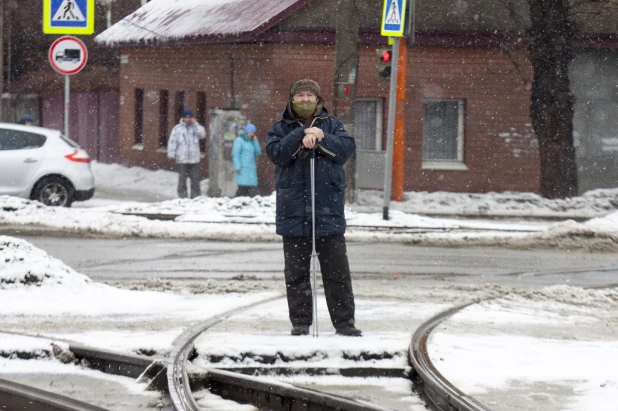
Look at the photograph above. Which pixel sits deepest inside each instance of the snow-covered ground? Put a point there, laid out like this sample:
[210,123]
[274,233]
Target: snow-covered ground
[37,289]
[116,183]
[120,189]
[555,342]
[513,346]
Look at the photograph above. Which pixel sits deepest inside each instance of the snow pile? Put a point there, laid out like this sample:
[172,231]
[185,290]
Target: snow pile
[252,219]
[609,222]
[22,264]
[120,181]
[98,221]
[593,203]
[598,298]
[68,306]
[602,234]
[8,203]
[24,347]
[208,209]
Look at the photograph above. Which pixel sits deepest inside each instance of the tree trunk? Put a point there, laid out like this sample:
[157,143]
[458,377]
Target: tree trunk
[551,108]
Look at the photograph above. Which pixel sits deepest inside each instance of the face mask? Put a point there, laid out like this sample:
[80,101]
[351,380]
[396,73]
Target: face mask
[304,110]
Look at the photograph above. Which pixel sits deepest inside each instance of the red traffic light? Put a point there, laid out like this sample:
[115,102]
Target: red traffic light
[386,56]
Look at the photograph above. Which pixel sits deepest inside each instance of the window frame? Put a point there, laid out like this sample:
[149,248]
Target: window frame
[457,164]
[179,105]
[138,119]
[164,106]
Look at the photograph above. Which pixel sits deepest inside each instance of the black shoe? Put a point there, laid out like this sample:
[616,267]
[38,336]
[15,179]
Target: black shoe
[349,331]
[300,330]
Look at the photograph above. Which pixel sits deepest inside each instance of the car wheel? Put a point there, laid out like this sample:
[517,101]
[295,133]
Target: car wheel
[54,191]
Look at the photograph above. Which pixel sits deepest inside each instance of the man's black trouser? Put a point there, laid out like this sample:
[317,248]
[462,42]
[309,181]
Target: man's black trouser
[191,171]
[335,276]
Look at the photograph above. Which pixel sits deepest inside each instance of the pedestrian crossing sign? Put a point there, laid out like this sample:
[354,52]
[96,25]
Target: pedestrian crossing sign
[393,17]
[68,16]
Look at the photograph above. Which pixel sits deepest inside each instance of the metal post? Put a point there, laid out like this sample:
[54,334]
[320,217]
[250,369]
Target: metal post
[398,183]
[67,103]
[392,106]
[314,254]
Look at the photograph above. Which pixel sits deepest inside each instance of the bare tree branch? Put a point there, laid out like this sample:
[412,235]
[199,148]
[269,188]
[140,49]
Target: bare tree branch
[520,71]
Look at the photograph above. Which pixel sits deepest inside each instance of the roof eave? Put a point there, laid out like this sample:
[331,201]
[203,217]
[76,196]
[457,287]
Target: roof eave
[248,36]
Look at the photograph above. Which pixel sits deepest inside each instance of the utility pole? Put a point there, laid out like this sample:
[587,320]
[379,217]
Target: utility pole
[394,24]
[400,123]
[346,67]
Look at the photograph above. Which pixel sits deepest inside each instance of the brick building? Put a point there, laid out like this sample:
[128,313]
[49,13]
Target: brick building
[467,103]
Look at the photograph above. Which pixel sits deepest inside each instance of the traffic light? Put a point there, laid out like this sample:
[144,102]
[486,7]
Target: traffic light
[384,62]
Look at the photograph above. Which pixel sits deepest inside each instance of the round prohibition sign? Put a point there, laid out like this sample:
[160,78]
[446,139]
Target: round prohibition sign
[68,55]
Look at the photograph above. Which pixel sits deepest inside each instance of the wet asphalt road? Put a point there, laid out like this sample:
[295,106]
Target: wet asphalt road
[136,259]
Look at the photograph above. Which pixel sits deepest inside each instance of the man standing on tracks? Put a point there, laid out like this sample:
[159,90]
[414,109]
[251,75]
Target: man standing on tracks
[305,125]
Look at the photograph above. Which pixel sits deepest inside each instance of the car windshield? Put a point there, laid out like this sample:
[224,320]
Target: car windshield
[69,141]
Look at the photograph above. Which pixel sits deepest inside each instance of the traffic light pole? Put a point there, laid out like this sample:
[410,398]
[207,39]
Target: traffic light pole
[390,136]
[400,123]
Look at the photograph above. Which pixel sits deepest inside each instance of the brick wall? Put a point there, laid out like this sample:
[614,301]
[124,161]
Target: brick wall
[500,148]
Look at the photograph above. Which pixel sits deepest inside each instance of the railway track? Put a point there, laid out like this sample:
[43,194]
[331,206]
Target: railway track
[177,375]
[435,389]
[180,378]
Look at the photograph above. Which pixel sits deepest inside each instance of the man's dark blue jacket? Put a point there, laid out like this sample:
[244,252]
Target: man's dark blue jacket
[293,175]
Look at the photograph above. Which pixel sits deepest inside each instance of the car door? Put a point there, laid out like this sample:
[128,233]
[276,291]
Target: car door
[21,154]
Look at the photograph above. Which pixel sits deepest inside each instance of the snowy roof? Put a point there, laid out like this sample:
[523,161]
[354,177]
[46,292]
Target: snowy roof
[168,20]
[244,20]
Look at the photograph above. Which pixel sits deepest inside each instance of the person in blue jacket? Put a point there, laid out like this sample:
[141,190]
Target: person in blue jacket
[305,125]
[246,148]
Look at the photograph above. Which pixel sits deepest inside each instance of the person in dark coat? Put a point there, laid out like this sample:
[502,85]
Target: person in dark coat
[305,125]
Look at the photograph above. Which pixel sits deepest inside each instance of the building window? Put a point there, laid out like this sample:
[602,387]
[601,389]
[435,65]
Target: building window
[179,105]
[200,114]
[368,120]
[139,117]
[443,134]
[164,106]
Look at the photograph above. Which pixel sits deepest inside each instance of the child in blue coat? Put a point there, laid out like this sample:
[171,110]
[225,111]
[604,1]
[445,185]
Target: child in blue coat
[246,148]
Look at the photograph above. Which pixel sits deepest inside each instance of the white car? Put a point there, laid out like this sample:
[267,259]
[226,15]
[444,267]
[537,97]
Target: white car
[41,164]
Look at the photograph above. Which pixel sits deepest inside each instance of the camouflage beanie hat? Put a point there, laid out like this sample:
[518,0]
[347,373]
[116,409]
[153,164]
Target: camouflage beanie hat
[305,85]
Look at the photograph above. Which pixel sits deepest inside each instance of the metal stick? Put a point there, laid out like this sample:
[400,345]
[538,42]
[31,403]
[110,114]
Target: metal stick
[314,254]
[67,103]
[390,136]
